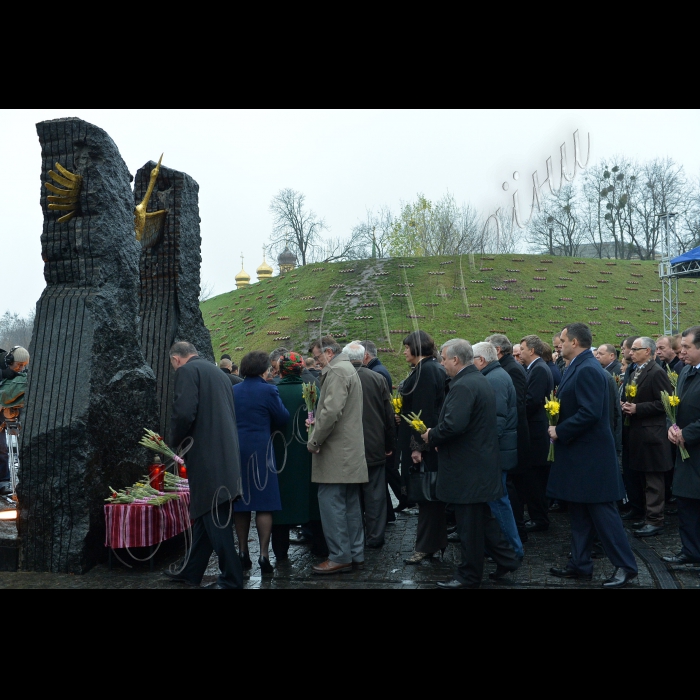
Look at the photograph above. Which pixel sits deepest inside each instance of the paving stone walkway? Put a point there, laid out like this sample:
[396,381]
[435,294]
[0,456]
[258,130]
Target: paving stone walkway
[385,567]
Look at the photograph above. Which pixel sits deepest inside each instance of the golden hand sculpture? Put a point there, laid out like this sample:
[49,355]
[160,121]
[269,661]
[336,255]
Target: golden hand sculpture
[149,225]
[65,200]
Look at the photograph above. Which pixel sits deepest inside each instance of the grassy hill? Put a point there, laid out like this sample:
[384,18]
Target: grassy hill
[468,297]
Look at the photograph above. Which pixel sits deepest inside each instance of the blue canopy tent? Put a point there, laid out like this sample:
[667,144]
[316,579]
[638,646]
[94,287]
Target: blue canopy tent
[686,265]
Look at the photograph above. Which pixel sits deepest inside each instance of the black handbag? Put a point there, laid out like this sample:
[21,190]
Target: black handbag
[422,484]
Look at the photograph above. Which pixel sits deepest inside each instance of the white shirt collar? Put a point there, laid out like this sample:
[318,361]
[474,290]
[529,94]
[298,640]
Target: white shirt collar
[533,362]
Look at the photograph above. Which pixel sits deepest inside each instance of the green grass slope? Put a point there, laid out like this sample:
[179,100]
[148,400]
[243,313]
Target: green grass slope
[467,297]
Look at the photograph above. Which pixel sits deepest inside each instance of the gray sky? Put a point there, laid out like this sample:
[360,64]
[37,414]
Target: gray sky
[343,161]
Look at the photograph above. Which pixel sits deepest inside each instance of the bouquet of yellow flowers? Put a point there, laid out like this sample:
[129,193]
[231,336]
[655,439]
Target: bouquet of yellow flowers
[397,401]
[630,393]
[415,422]
[551,406]
[670,403]
[309,393]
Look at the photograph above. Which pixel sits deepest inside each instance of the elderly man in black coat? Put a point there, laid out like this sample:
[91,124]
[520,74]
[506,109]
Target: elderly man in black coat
[585,471]
[469,470]
[686,432]
[540,385]
[380,440]
[203,410]
[645,448]
[516,479]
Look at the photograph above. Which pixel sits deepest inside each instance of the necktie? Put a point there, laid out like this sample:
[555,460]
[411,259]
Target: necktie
[693,371]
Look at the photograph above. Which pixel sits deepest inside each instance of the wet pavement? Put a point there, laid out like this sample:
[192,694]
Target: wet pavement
[384,567]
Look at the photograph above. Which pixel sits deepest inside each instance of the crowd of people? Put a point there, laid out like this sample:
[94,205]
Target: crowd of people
[465,437]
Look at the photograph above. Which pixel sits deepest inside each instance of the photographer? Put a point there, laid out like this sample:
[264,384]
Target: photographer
[13,384]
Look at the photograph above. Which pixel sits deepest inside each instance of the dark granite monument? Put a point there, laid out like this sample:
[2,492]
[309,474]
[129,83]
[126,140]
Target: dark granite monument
[170,283]
[91,392]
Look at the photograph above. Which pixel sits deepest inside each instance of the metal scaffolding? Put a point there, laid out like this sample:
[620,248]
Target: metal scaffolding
[669,275]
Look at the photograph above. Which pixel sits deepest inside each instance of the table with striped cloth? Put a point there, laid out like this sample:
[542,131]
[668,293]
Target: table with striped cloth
[131,525]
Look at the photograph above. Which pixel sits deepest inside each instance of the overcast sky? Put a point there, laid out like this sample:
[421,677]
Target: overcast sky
[343,161]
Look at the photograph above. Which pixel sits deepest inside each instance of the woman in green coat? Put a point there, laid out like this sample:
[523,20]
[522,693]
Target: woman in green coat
[298,495]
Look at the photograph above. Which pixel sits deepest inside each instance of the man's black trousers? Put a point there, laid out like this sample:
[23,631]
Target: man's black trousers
[209,536]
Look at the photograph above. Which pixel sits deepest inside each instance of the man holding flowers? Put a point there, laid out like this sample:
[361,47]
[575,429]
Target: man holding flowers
[469,468]
[645,453]
[686,433]
[585,471]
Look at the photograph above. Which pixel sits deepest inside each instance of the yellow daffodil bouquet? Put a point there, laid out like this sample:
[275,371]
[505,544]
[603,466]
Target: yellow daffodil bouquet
[415,422]
[397,401]
[670,403]
[551,406]
[630,393]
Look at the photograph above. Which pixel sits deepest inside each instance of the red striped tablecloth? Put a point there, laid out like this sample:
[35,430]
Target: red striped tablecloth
[142,526]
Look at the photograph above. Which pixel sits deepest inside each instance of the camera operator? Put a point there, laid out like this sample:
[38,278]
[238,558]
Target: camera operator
[13,383]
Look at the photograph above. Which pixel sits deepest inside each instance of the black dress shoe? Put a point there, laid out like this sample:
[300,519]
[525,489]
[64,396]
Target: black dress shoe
[648,531]
[681,559]
[570,573]
[178,578]
[454,584]
[501,572]
[535,527]
[632,515]
[619,578]
[246,563]
[214,586]
[265,566]
[374,545]
[454,537]
[637,525]
[451,529]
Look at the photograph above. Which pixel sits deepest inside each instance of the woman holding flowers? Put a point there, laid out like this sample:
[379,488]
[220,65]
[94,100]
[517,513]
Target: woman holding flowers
[423,393]
[259,410]
[298,495]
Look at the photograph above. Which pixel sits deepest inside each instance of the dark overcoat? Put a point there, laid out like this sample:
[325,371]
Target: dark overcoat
[645,439]
[686,478]
[422,391]
[378,421]
[556,374]
[203,409]
[466,436]
[585,467]
[516,372]
[539,386]
[260,411]
[506,414]
[298,495]
[375,364]
[614,367]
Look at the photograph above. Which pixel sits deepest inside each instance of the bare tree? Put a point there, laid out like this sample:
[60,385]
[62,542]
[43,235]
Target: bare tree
[205,291]
[556,229]
[293,225]
[16,329]
[373,235]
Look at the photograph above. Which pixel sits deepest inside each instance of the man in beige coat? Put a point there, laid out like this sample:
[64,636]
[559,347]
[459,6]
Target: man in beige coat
[338,464]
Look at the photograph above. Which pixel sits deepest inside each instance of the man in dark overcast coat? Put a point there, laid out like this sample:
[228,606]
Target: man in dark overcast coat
[539,387]
[516,476]
[469,469]
[203,410]
[585,470]
[686,480]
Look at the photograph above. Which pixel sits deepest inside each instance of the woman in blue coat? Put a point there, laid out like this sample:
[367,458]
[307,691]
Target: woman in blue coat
[259,411]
